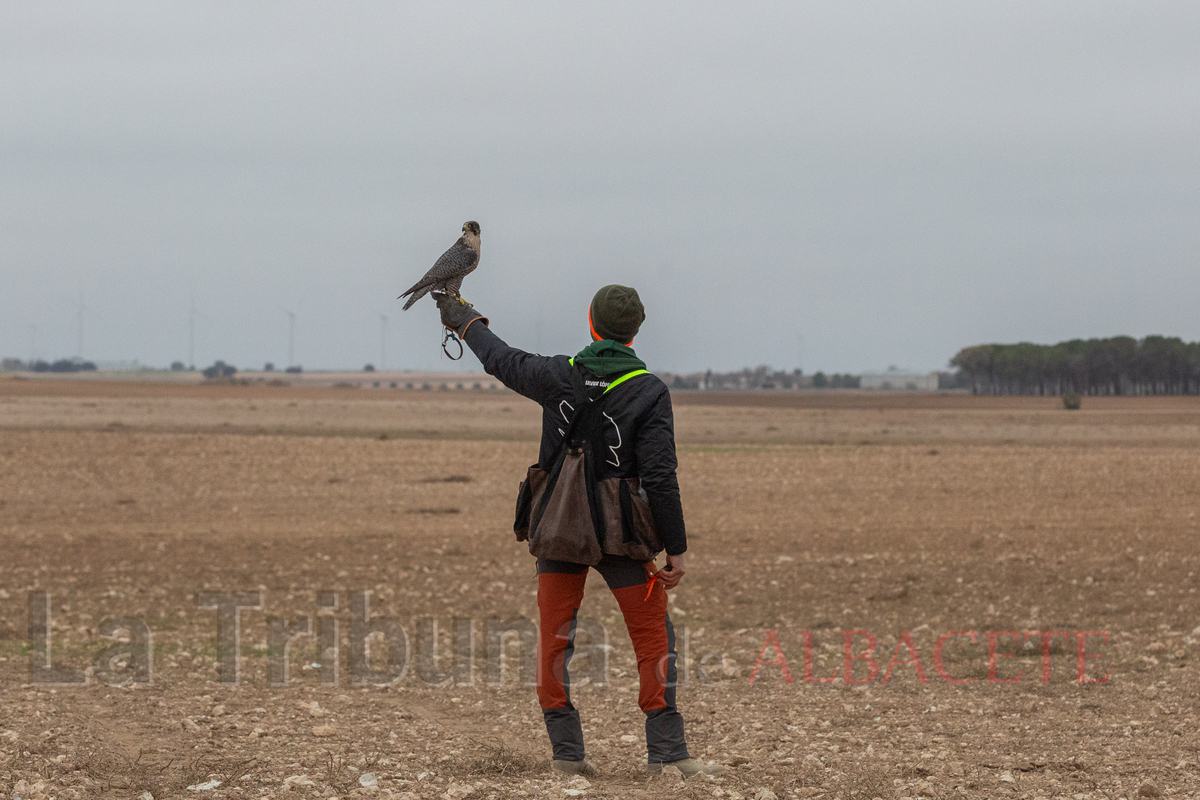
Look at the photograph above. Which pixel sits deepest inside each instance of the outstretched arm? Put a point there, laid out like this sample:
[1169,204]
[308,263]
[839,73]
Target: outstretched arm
[526,374]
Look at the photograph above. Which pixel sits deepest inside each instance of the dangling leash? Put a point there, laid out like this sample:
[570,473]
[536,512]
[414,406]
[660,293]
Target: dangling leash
[448,337]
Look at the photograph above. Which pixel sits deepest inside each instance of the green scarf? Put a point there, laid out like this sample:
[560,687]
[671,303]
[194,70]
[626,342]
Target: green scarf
[606,357]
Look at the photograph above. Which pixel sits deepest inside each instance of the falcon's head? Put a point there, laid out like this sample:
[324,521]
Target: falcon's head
[471,227]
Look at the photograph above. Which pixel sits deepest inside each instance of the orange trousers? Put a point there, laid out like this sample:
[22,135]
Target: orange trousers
[560,593]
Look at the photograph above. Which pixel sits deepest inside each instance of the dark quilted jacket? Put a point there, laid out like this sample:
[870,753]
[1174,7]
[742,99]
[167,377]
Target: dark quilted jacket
[639,426]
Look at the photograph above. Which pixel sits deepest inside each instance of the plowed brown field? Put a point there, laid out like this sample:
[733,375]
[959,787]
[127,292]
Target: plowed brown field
[826,514]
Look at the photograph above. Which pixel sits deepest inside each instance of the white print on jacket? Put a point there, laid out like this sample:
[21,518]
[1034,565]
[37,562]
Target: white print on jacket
[561,432]
[616,459]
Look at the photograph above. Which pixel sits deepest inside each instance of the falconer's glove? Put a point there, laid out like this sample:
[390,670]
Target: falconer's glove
[457,316]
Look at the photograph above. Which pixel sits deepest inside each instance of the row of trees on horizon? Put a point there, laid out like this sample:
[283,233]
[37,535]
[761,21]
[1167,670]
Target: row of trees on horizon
[40,365]
[763,377]
[1120,365]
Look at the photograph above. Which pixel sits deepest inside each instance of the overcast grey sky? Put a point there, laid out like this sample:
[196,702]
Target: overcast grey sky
[837,186]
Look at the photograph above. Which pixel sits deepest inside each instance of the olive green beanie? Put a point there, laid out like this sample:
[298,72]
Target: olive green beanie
[617,313]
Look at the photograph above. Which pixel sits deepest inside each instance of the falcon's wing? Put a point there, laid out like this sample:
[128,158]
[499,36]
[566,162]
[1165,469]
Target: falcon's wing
[457,261]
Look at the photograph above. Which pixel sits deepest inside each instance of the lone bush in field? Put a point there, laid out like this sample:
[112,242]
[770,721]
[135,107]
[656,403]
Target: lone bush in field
[1072,401]
[220,369]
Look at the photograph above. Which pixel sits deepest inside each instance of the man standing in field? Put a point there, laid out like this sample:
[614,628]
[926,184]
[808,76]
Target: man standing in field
[630,482]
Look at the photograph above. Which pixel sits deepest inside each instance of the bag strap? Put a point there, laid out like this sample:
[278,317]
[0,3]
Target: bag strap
[583,405]
[618,381]
[589,408]
[626,377]
[582,402]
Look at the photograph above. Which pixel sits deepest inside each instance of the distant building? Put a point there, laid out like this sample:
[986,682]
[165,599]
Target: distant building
[897,380]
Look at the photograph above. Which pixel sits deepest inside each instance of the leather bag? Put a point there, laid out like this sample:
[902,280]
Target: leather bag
[566,514]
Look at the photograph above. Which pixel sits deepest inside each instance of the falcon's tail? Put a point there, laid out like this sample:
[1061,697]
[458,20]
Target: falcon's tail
[416,294]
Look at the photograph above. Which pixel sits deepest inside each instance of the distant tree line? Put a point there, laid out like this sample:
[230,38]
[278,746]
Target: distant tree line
[835,381]
[762,377]
[1121,365]
[61,365]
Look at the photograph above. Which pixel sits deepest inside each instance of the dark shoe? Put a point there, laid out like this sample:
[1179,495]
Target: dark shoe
[584,768]
[688,766]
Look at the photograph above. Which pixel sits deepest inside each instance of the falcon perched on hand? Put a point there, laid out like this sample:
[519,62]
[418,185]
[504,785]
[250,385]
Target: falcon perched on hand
[447,273]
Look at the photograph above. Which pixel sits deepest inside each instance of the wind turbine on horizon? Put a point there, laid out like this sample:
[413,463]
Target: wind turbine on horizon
[383,321]
[192,334]
[291,337]
[79,328]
